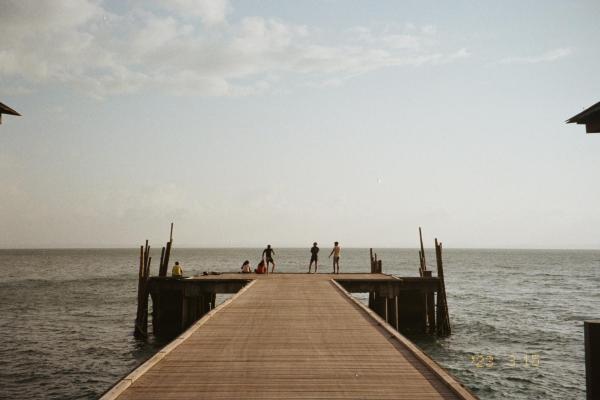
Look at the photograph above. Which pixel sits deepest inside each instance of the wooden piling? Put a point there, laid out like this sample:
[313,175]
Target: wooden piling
[392,311]
[379,305]
[430,306]
[165,268]
[591,333]
[443,318]
[141,320]
[165,255]
[162,261]
[422,262]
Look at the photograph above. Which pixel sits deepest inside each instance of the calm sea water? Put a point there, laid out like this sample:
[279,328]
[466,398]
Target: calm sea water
[66,316]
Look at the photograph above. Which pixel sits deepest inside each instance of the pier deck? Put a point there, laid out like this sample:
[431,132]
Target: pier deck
[290,336]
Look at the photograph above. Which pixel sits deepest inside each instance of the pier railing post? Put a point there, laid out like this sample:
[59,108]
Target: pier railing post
[591,332]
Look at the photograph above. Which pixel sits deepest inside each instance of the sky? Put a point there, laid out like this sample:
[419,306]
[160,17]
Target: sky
[288,122]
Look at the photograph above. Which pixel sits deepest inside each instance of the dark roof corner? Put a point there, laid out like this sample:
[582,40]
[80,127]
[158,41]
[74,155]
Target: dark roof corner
[590,117]
[4,109]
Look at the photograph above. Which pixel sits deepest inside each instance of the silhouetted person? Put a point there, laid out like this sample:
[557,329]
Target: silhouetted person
[314,251]
[267,255]
[336,257]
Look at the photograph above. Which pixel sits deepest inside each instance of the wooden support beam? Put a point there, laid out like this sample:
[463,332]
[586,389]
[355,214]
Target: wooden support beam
[141,319]
[165,269]
[162,262]
[430,306]
[443,317]
[591,333]
[411,312]
[422,258]
[379,305]
[390,287]
[392,311]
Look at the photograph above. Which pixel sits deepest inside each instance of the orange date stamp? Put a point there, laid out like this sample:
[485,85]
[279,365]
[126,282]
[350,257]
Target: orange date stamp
[524,360]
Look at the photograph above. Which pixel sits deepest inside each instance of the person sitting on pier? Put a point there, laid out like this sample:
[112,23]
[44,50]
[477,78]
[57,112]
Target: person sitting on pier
[177,272]
[336,257]
[261,268]
[246,267]
[314,251]
[267,255]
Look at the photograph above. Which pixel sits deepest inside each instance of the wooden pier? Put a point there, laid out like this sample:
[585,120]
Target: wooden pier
[291,336]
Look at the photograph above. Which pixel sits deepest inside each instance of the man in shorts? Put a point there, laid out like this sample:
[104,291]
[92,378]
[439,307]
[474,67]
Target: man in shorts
[336,257]
[268,254]
[314,251]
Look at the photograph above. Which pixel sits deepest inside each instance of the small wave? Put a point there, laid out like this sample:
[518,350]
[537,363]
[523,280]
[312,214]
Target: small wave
[518,379]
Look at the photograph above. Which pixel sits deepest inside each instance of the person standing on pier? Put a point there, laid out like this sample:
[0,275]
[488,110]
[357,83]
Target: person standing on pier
[268,254]
[336,257]
[314,251]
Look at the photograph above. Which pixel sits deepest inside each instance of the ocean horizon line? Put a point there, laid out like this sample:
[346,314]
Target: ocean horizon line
[308,246]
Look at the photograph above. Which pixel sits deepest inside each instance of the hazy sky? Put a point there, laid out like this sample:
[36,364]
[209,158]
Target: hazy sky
[286,122]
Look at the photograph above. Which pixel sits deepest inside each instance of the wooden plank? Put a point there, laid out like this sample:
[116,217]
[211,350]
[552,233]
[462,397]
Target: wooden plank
[591,334]
[139,371]
[289,336]
[429,363]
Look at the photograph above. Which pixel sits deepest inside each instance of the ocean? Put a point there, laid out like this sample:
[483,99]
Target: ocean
[66,316]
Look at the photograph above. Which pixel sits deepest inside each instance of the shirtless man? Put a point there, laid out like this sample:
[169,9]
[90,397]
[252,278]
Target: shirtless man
[268,254]
[336,257]
[314,251]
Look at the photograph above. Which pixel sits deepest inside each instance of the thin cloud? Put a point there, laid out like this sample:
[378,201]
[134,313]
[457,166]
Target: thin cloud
[549,56]
[191,47]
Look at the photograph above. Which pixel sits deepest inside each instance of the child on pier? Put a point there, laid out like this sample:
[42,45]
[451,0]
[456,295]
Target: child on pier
[177,271]
[246,267]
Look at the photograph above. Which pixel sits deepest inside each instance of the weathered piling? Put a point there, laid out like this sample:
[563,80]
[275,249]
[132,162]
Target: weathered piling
[422,261]
[165,255]
[443,318]
[430,306]
[162,261]
[392,311]
[591,333]
[429,297]
[378,303]
[141,320]
[411,307]
[375,263]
